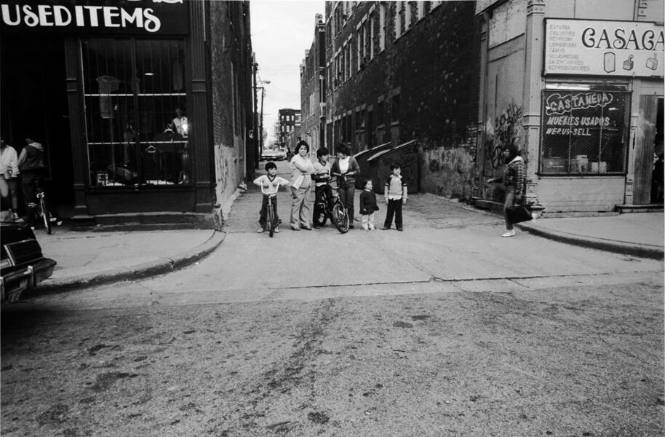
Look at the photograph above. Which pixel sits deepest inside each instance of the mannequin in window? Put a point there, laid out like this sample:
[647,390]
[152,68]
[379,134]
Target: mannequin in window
[179,124]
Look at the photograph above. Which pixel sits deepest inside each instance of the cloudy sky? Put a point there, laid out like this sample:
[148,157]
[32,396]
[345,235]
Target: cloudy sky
[281,32]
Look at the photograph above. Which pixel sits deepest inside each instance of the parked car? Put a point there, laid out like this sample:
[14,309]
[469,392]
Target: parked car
[273,155]
[22,264]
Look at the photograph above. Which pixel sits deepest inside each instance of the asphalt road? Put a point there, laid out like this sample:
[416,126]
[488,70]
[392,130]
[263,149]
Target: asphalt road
[443,329]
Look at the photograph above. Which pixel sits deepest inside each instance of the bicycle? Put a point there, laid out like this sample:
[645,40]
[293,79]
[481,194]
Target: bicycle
[333,209]
[271,221]
[41,210]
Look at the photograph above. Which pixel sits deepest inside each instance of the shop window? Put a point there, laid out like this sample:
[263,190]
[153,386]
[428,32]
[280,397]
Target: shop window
[136,122]
[584,131]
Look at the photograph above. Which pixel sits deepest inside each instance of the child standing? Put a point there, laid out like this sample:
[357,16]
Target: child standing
[272,182]
[368,206]
[395,194]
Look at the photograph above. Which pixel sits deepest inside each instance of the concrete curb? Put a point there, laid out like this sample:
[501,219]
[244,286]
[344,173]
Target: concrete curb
[150,268]
[634,249]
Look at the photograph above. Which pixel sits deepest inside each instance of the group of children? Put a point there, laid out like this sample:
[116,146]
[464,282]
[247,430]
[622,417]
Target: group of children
[395,193]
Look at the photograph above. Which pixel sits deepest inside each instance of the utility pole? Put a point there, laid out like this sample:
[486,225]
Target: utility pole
[255,122]
[261,128]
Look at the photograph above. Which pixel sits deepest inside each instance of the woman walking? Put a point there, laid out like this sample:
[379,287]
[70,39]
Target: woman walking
[513,179]
[301,188]
[346,169]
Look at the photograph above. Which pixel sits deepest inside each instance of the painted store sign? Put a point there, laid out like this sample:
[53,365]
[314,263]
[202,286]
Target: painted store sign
[148,17]
[604,48]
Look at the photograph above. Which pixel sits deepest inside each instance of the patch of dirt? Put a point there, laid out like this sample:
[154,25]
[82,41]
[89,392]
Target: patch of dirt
[106,380]
[54,415]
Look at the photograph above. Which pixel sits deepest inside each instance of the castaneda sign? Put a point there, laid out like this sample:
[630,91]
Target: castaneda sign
[604,48]
[96,16]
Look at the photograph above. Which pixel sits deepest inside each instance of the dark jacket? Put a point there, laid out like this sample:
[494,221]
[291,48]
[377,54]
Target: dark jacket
[34,158]
[350,179]
[368,202]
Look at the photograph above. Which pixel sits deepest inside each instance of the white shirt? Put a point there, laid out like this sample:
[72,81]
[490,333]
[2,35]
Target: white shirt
[344,164]
[8,159]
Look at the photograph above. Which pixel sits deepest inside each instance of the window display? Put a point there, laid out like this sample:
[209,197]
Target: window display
[136,122]
[584,131]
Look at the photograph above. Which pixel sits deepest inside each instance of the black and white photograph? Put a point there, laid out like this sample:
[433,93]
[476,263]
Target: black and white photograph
[241,218]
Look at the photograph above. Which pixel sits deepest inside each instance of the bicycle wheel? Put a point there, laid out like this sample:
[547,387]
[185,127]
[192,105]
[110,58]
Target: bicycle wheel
[340,218]
[46,216]
[320,217]
[270,219]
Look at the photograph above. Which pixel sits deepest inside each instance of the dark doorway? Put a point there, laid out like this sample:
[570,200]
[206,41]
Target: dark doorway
[33,104]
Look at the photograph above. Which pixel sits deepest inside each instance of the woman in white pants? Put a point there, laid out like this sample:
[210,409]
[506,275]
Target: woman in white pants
[301,188]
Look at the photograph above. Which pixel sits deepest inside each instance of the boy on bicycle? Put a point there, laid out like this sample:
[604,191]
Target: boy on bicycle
[321,179]
[269,183]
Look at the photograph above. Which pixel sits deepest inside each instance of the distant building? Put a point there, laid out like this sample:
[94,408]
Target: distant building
[312,88]
[288,123]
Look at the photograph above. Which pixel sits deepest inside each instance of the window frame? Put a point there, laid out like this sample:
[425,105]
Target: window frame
[620,89]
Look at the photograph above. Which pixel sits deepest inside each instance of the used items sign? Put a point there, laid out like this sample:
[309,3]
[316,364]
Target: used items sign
[603,48]
[96,16]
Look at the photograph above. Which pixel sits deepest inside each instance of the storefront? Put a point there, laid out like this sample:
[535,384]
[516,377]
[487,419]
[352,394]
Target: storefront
[599,125]
[118,95]
[579,86]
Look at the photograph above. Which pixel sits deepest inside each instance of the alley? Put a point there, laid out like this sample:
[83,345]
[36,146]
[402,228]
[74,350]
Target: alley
[444,328]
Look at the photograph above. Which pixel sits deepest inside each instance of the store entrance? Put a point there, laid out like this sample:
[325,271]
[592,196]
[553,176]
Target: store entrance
[34,105]
[657,171]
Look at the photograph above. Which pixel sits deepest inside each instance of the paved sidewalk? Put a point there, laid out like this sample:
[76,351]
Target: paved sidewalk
[91,258]
[639,234]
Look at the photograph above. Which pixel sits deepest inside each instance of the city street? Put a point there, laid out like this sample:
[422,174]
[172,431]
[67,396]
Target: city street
[443,329]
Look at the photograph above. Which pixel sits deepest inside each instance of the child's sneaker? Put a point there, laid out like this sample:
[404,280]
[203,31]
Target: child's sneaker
[371,227]
[510,233]
[259,230]
[276,229]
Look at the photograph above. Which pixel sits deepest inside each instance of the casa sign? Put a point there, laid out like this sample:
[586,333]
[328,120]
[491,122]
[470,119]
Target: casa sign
[95,16]
[604,48]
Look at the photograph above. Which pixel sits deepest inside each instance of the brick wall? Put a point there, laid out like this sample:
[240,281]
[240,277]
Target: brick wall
[423,86]
[230,91]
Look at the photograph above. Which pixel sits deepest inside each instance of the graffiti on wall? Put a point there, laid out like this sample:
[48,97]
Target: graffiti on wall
[507,128]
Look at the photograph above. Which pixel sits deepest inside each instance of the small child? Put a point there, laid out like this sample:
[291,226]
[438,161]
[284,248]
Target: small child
[368,206]
[272,182]
[395,194]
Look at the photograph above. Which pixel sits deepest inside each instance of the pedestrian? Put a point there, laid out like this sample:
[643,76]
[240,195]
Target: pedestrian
[395,194]
[321,177]
[301,188]
[9,173]
[346,169]
[368,206]
[657,180]
[272,182]
[514,179]
[32,167]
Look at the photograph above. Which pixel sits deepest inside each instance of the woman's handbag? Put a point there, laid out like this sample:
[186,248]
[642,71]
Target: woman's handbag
[518,214]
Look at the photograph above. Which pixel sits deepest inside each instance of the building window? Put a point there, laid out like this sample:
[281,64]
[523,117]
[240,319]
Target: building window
[399,16]
[382,27]
[372,34]
[380,113]
[420,10]
[136,121]
[395,108]
[584,131]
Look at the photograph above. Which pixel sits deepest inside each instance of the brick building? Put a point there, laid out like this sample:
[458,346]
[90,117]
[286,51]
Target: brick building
[288,125]
[401,71]
[312,86]
[101,84]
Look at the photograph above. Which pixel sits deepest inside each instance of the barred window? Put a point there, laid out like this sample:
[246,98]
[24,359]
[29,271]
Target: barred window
[136,122]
